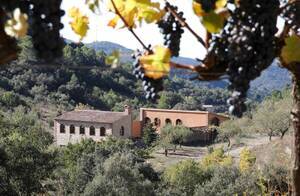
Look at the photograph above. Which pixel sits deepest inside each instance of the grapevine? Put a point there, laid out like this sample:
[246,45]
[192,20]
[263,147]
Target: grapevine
[150,86]
[291,14]
[45,25]
[172,30]
[248,45]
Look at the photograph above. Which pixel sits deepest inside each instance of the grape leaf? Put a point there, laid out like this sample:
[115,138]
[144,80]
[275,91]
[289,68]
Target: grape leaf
[198,9]
[80,22]
[113,59]
[135,10]
[291,51]
[220,4]
[213,22]
[156,65]
[17,26]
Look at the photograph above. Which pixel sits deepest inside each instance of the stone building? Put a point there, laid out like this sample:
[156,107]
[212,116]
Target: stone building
[198,121]
[73,126]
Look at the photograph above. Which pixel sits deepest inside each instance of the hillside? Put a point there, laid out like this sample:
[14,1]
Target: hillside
[82,77]
[109,47]
[277,77]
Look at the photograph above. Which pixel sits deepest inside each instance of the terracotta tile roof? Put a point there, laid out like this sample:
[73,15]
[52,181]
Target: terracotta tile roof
[91,116]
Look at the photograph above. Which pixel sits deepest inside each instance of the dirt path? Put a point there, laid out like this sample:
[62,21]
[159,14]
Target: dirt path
[160,161]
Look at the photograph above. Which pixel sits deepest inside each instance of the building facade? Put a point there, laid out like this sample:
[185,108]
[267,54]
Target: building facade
[73,126]
[191,119]
[198,121]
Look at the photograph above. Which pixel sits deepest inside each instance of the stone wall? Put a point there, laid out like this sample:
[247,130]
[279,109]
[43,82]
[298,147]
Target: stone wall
[67,137]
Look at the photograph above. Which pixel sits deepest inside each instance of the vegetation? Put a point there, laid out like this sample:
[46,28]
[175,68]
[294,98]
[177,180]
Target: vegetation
[173,135]
[26,157]
[150,135]
[271,117]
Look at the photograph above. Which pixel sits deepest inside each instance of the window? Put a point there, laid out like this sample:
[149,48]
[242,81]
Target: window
[122,131]
[147,120]
[168,121]
[81,130]
[72,129]
[62,128]
[102,131]
[157,122]
[178,122]
[92,130]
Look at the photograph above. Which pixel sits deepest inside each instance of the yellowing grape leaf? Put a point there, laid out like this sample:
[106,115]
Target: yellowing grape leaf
[79,23]
[213,22]
[17,26]
[135,10]
[113,59]
[156,65]
[198,9]
[220,4]
[291,51]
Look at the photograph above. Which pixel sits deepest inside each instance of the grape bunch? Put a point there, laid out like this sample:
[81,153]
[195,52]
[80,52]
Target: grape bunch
[172,30]
[247,45]
[150,86]
[44,19]
[291,14]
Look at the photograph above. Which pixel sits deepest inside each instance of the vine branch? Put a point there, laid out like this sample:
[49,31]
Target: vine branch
[128,26]
[202,70]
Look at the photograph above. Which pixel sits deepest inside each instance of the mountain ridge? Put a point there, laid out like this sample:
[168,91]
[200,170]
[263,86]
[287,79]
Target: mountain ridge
[273,78]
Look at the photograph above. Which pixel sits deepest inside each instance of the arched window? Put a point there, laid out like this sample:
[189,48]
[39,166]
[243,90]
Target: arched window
[215,121]
[178,122]
[168,121]
[147,120]
[92,130]
[81,130]
[157,122]
[62,128]
[122,131]
[72,129]
[102,131]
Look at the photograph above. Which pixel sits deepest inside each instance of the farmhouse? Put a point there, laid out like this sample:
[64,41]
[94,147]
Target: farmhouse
[73,126]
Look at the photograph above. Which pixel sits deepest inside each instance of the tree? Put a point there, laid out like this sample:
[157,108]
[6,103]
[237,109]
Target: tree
[185,175]
[247,160]
[272,118]
[120,176]
[173,135]
[149,134]
[26,160]
[227,130]
[181,134]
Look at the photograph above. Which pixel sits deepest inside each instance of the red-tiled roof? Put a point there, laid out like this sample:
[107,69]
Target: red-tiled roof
[91,116]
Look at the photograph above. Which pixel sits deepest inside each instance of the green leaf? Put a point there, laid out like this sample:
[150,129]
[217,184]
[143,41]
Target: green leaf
[290,53]
[213,22]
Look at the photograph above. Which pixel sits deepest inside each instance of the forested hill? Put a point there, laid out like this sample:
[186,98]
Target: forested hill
[81,76]
[274,78]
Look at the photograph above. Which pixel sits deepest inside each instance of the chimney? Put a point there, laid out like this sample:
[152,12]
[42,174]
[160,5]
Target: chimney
[127,109]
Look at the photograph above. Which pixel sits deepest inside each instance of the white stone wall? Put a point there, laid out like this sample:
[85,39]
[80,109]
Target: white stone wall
[126,122]
[65,138]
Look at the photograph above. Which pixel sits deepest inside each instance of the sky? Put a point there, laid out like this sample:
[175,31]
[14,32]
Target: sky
[149,33]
